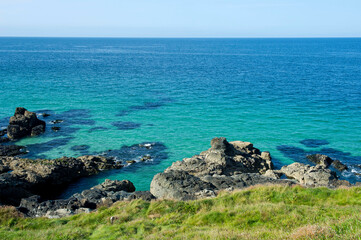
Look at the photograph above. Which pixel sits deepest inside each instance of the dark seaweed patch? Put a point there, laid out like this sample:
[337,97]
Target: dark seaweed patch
[314,143]
[144,106]
[36,150]
[126,125]
[97,129]
[81,149]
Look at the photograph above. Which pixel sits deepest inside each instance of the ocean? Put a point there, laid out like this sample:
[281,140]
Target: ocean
[291,97]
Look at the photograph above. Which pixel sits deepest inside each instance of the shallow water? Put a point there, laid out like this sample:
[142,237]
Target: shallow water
[180,93]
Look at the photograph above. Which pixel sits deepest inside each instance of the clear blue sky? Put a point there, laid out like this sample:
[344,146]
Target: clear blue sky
[181,18]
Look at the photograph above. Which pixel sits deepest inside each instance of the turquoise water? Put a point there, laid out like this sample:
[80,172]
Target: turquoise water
[180,93]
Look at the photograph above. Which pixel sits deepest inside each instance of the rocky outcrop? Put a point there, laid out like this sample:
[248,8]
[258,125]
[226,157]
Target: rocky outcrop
[326,161]
[24,123]
[46,177]
[320,159]
[339,165]
[227,159]
[104,194]
[11,150]
[312,176]
[226,165]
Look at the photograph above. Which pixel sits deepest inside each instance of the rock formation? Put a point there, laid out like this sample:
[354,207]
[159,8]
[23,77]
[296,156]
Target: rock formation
[24,123]
[226,165]
[104,194]
[45,177]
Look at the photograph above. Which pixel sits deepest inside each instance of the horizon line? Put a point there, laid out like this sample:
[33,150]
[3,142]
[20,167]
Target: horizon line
[188,37]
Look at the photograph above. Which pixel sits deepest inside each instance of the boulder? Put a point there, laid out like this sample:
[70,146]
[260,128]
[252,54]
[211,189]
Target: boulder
[310,176]
[24,123]
[320,159]
[178,185]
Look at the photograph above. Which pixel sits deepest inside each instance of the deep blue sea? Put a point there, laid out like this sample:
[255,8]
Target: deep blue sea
[291,97]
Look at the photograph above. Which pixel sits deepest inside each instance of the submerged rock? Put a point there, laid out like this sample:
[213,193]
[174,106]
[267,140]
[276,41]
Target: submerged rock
[24,123]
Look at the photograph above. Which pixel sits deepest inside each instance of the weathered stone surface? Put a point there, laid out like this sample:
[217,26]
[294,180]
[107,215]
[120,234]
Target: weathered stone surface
[24,123]
[226,165]
[104,194]
[320,159]
[225,158]
[46,177]
[179,185]
[311,176]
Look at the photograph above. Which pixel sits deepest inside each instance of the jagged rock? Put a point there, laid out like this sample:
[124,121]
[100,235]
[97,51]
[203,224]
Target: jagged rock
[3,132]
[225,158]
[46,177]
[11,150]
[24,123]
[226,165]
[311,176]
[339,165]
[320,159]
[104,194]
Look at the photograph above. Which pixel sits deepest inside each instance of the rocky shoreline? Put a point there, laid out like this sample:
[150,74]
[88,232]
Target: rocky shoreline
[30,185]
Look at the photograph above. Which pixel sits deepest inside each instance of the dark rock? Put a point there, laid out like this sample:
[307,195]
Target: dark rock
[3,132]
[320,159]
[4,169]
[35,131]
[4,140]
[131,161]
[45,115]
[57,121]
[145,158]
[24,123]
[55,129]
[45,177]
[104,194]
[11,150]
[339,165]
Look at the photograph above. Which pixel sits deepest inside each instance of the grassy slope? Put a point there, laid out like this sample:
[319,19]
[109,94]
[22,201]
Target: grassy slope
[273,212]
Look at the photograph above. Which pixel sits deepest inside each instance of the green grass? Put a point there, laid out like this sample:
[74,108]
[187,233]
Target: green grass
[273,212]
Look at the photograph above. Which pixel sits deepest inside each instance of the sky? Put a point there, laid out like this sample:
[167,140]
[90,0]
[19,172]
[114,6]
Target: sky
[180,18]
